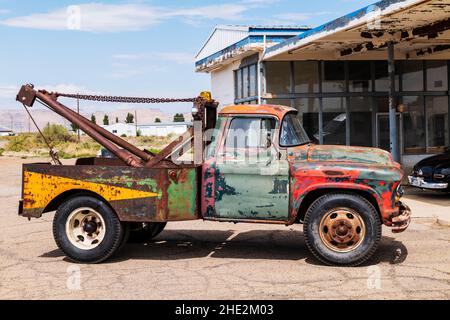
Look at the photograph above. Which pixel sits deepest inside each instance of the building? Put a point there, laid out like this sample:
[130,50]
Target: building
[4,132]
[337,76]
[162,129]
[121,129]
[159,129]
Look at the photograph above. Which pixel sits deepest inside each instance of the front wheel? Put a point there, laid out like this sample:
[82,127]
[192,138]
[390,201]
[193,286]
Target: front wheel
[87,230]
[342,229]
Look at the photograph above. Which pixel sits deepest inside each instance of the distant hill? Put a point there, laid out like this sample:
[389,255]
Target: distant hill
[17,119]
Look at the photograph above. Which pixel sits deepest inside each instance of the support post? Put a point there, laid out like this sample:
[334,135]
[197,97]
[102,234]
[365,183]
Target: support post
[393,136]
[78,112]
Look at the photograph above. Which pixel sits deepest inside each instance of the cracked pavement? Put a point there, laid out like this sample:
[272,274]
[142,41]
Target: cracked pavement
[208,260]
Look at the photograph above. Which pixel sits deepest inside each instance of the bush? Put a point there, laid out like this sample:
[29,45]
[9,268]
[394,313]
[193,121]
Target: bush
[1,151]
[22,142]
[56,134]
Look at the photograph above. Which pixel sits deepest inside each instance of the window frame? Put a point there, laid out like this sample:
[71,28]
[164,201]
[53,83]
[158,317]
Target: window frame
[245,98]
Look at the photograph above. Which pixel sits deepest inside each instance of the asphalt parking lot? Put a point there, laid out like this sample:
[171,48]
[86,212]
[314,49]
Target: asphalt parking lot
[207,260]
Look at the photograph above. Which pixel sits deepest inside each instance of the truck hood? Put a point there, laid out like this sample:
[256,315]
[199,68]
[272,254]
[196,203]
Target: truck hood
[333,153]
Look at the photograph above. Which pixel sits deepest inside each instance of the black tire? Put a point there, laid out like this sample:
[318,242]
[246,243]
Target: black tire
[125,238]
[140,232]
[367,213]
[113,234]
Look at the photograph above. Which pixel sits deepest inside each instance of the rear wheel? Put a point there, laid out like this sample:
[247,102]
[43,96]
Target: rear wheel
[143,232]
[87,230]
[342,229]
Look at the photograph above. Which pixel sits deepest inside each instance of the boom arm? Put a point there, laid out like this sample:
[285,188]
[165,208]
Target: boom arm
[125,151]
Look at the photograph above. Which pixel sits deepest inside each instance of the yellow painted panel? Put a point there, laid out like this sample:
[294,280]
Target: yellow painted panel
[39,189]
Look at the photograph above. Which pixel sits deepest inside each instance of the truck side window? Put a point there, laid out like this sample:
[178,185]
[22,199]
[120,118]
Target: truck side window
[245,133]
[292,132]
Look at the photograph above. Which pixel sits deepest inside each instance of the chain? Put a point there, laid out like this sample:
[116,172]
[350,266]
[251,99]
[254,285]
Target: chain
[120,99]
[53,153]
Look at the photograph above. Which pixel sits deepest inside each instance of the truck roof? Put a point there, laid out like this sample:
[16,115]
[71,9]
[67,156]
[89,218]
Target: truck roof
[258,109]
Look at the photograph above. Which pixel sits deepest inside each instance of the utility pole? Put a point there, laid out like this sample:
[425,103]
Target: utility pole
[78,111]
[135,122]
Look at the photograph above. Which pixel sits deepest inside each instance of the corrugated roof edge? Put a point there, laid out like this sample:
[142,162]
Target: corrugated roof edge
[252,28]
[340,22]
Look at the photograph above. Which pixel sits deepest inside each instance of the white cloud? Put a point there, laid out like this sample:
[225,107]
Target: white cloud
[94,17]
[8,91]
[99,17]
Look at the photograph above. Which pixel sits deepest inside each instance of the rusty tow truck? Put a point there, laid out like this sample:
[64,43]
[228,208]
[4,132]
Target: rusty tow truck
[257,165]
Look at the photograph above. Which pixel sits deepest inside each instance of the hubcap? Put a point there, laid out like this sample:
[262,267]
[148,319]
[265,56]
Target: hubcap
[342,229]
[85,228]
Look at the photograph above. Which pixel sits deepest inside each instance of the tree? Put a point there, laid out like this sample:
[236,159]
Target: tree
[178,117]
[74,127]
[117,119]
[158,120]
[93,118]
[106,120]
[129,118]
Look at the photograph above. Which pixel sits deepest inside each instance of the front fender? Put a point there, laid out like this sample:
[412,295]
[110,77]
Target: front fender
[380,183]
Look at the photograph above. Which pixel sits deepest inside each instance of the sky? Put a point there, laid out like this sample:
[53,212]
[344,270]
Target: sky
[133,48]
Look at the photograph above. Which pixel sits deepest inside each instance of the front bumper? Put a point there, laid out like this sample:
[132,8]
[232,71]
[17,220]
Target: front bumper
[401,221]
[419,182]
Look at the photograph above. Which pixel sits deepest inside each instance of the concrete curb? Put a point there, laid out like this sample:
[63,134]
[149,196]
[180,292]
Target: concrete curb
[442,221]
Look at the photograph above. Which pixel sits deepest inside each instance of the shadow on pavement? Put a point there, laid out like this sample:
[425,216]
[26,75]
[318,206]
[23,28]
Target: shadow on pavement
[255,244]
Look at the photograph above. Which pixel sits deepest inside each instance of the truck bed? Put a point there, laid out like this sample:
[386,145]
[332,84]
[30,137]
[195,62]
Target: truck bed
[157,194]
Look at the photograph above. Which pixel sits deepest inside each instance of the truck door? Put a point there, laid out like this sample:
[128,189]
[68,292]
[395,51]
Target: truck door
[251,181]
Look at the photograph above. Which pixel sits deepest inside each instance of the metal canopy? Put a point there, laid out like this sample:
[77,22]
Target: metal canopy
[420,29]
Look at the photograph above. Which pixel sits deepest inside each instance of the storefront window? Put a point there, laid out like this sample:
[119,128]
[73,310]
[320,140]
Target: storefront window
[308,112]
[437,120]
[360,109]
[334,121]
[252,80]
[333,76]
[246,82]
[278,77]
[359,76]
[306,76]
[437,76]
[412,75]
[238,87]
[382,76]
[413,125]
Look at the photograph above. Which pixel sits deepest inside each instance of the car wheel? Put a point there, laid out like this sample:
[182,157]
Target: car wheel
[342,229]
[87,230]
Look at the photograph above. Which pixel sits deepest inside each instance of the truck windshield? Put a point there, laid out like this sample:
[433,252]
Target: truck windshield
[292,132]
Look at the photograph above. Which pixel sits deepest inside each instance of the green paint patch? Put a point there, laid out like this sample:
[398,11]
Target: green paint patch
[182,197]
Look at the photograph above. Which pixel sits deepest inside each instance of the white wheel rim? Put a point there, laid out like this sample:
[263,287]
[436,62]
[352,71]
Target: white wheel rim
[85,228]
